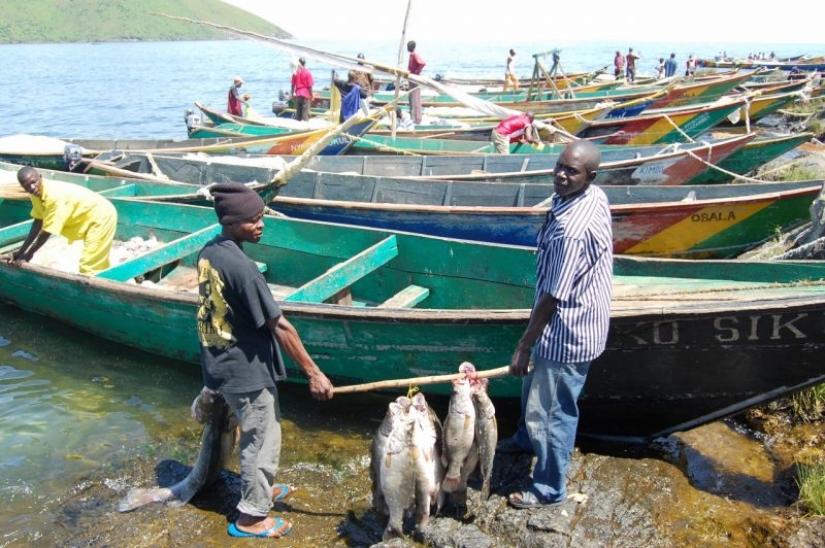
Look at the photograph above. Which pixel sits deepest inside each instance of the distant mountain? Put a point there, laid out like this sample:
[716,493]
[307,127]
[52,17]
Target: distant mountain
[24,21]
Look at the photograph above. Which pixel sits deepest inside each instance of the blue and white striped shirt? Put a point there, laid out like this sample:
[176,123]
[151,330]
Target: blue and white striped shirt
[575,265]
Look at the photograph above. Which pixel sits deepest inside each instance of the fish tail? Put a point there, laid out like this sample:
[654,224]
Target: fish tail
[139,496]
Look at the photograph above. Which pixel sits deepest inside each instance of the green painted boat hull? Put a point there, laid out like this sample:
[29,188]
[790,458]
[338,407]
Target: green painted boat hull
[689,342]
[751,156]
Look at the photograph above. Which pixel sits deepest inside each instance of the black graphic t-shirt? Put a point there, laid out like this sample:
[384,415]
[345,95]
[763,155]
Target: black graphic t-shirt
[238,351]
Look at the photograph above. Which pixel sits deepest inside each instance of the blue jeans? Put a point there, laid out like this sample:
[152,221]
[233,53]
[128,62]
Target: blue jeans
[260,447]
[549,418]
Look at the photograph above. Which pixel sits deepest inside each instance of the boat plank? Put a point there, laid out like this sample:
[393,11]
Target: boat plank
[160,256]
[346,273]
[14,233]
[407,297]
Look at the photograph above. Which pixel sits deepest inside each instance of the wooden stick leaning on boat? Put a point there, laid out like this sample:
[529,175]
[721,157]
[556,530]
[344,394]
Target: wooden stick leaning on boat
[432,379]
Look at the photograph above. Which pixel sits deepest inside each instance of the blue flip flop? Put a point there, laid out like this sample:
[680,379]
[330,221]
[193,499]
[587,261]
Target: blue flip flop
[281,492]
[273,532]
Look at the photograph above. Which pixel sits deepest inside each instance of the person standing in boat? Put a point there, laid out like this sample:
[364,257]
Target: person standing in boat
[618,65]
[568,324]
[660,69]
[690,67]
[351,95]
[670,66]
[241,329]
[302,90]
[517,128]
[68,210]
[510,78]
[415,65]
[365,79]
[235,101]
[630,61]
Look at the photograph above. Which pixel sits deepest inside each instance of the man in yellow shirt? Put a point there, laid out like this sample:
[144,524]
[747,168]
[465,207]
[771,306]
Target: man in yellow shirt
[72,211]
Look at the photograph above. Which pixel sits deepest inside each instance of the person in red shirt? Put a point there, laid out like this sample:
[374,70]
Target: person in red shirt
[236,101]
[302,90]
[518,128]
[415,65]
[618,65]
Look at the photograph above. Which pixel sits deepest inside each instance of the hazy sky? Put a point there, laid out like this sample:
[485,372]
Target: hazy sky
[637,21]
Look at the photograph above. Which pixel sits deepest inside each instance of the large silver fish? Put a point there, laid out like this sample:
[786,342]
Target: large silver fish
[486,436]
[396,472]
[217,444]
[378,450]
[459,454]
[429,471]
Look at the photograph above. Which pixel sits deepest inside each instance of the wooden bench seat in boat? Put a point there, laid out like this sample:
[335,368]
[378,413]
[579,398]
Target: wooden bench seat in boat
[335,283]
[407,297]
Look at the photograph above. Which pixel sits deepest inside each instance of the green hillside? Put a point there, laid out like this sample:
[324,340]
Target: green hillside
[118,20]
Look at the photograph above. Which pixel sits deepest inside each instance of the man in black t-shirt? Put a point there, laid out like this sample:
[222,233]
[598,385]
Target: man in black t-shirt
[241,329]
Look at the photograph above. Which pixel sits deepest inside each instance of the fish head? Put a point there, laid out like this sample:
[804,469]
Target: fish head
[419,403]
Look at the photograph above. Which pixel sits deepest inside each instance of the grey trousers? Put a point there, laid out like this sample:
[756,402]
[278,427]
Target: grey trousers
[260,446]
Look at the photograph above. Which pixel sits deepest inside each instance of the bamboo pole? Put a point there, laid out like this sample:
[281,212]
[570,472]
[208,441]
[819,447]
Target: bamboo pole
[432,379]
[393,121]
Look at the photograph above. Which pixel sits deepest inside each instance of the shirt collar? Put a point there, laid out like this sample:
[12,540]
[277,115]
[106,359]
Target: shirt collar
[559,205]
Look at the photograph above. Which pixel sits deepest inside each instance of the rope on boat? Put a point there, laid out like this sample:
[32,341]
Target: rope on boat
[677,128]
[735,176]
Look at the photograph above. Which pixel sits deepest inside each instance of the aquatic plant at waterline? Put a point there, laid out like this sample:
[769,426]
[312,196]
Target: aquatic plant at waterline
[809,405]
[811,483]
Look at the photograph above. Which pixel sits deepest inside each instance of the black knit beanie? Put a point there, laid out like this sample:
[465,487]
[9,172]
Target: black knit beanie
[235,202]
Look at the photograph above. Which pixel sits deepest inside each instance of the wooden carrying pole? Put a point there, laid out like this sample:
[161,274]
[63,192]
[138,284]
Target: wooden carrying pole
[433,379]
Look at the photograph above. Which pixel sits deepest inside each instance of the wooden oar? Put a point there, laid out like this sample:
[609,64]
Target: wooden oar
[432,379]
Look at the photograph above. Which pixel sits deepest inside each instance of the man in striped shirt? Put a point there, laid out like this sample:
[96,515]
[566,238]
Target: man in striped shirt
[568,324]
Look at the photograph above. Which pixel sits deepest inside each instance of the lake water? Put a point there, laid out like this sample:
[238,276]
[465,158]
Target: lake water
[73,408]
[142,89]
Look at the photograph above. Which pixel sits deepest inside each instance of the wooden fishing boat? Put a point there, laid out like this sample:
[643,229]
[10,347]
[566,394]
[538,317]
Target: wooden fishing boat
[233,130]
[742,161]
[669,94]
[800,63]
[47,152]
[130,186]
[703,91]
[571,122]
[747,159]
[758,106]
[558,79]
[431,98]
[690,342]
[775,86]
[696,222]
[460,131]
[665,126]
[700,222]
[621,165]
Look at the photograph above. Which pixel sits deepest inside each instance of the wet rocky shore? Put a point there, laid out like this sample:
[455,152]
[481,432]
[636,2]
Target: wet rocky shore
[729,483]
